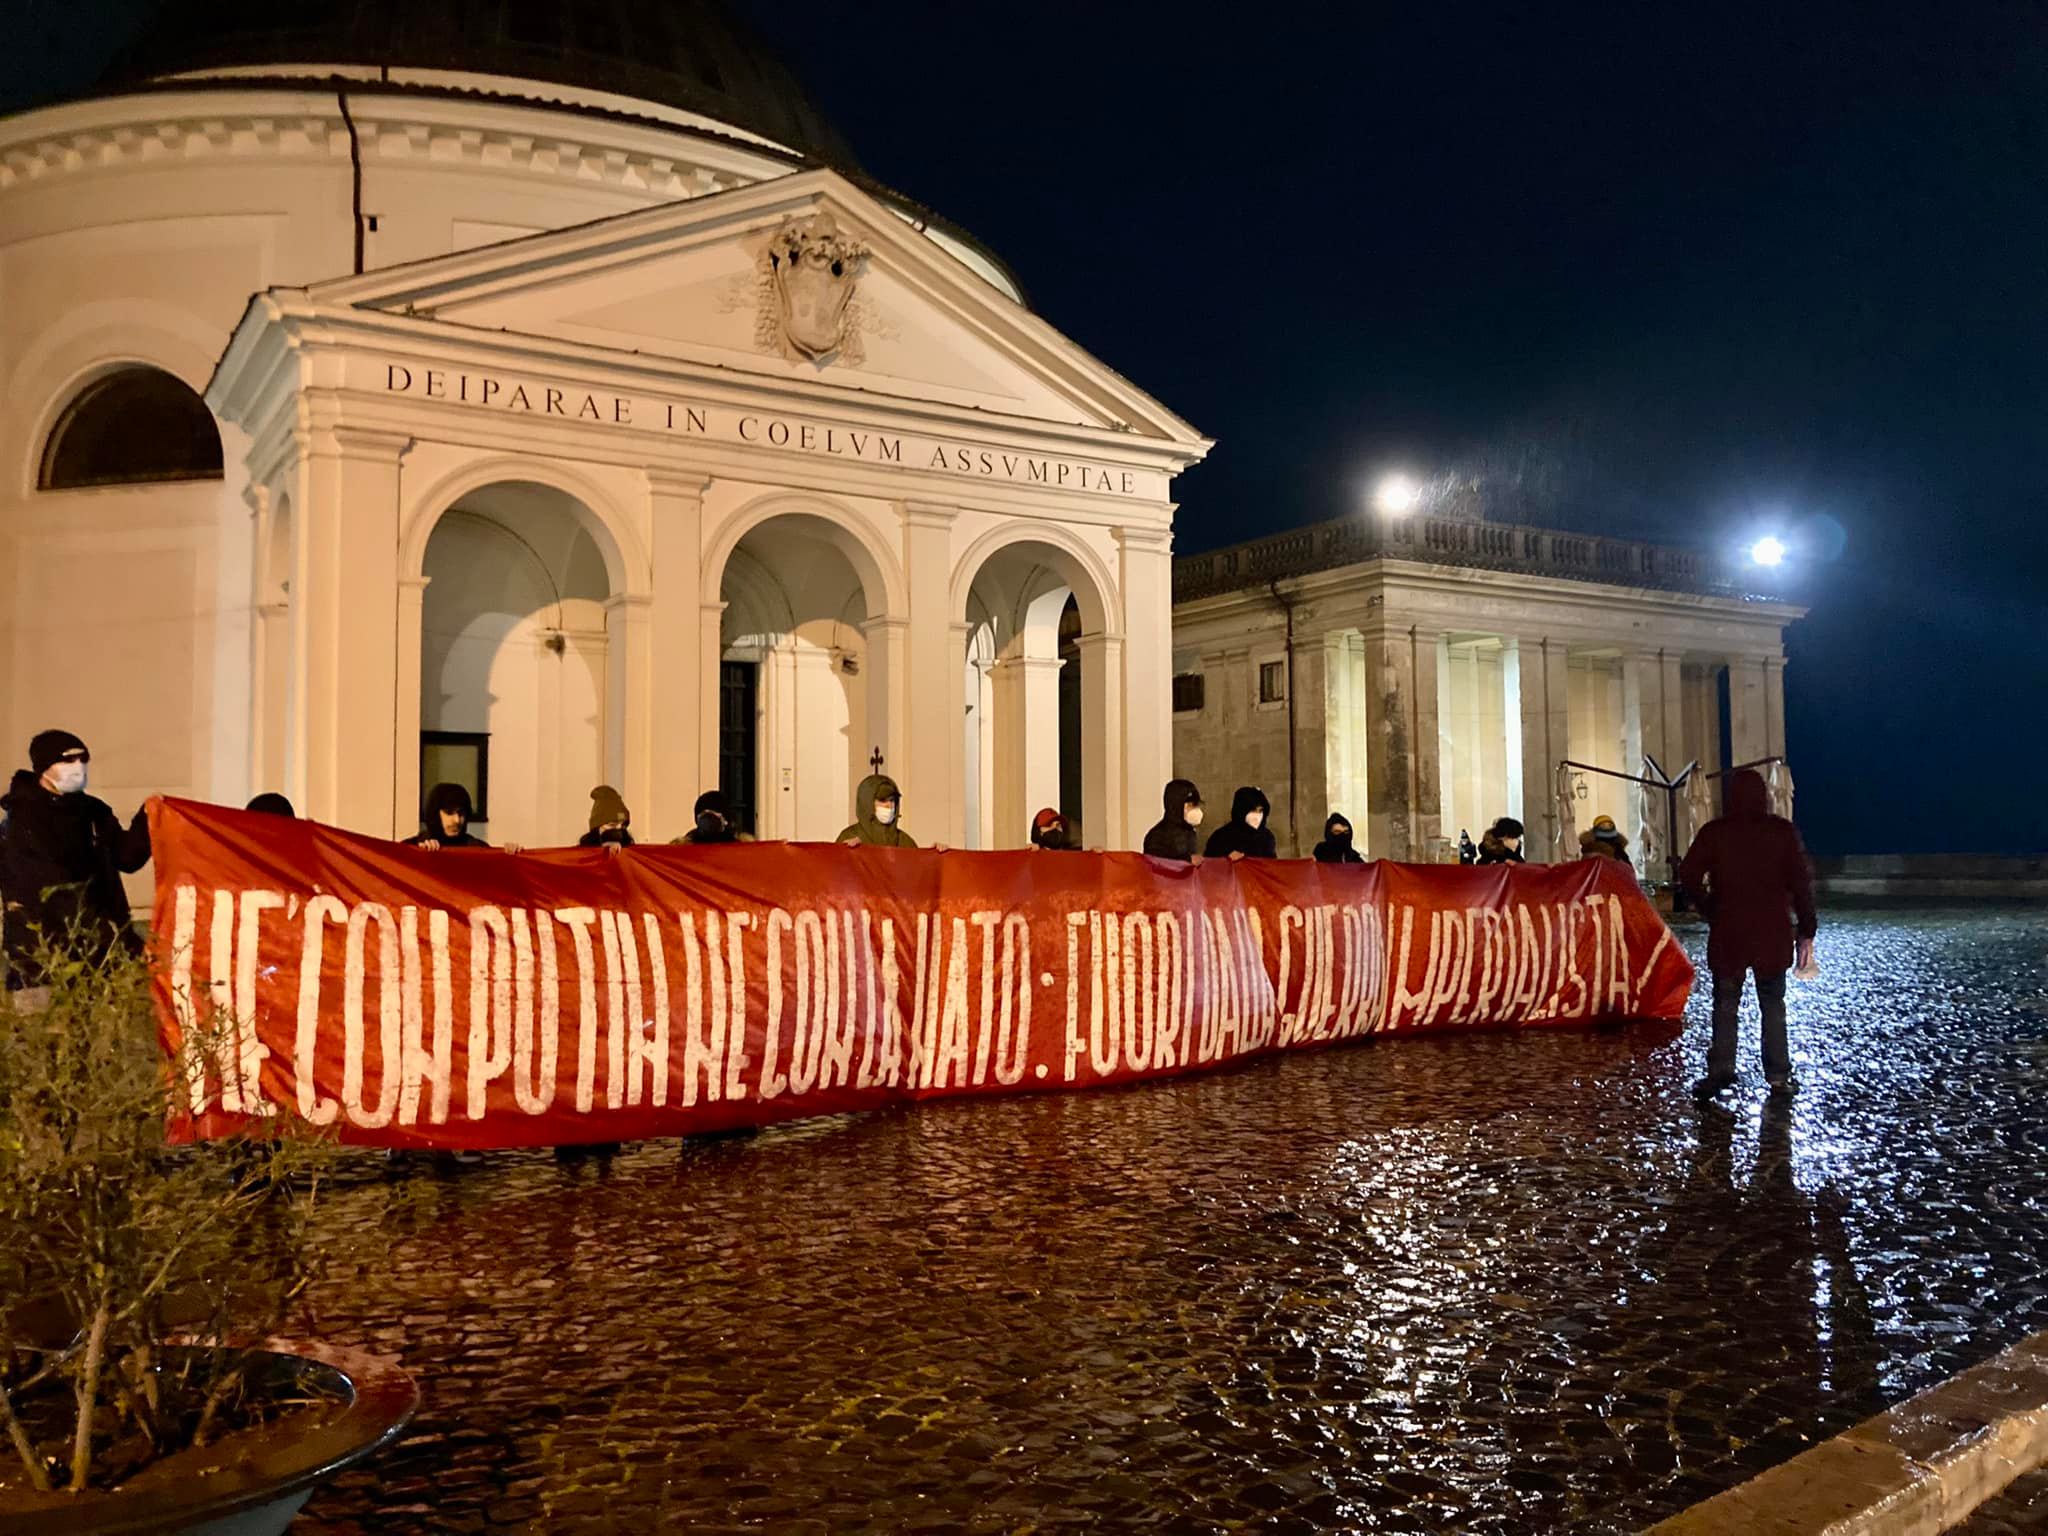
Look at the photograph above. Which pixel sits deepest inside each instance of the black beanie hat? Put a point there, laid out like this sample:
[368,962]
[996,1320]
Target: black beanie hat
[48,746]
[271,803]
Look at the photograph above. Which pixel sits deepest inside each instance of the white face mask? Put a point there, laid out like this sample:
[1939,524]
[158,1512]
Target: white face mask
[1194,815]
[885,814]
[65,778]
[1255,819]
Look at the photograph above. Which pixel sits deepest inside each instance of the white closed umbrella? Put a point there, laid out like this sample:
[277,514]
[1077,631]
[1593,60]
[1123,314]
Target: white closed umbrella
[1699,806]
[1567,813]
[1778,782]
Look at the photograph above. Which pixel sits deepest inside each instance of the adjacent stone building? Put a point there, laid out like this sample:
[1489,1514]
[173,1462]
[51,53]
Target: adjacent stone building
[1426,674]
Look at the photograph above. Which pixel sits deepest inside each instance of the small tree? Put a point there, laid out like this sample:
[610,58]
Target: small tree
[134,1275]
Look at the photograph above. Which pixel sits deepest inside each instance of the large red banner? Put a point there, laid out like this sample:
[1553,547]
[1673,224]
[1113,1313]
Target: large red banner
[466,998]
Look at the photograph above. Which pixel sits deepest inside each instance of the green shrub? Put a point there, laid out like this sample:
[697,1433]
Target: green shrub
[119,1252]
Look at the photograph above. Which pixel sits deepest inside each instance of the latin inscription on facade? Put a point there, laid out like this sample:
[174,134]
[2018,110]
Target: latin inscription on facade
[761,429]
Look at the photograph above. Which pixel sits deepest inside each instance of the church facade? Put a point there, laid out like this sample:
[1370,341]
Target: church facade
[553,437]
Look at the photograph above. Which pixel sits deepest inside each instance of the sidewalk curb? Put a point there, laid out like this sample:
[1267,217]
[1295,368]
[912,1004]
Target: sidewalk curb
[1914,1470]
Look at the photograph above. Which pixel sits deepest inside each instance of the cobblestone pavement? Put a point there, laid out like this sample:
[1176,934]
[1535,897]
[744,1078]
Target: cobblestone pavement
[2022,1510]
[1487,1283]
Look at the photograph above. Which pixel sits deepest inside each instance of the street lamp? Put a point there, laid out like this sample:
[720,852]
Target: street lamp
[1768,551]
[1396,495]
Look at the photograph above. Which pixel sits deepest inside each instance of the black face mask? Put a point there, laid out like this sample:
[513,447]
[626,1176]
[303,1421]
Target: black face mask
[711,828]
[1053,837]
[1341,839]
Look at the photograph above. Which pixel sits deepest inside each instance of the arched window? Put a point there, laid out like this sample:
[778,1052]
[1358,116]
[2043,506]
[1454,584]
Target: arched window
[131,427]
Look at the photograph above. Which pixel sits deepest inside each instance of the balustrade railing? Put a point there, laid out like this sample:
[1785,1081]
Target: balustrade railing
[1461,541]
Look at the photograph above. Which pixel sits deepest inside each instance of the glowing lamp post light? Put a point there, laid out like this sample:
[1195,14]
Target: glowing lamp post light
[1768,551]
[1396,495]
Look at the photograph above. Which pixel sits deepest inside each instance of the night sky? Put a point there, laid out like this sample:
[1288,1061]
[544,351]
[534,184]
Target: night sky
[1683,272]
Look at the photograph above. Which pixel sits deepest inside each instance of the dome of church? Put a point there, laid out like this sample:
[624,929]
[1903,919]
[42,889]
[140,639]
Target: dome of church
[692,55]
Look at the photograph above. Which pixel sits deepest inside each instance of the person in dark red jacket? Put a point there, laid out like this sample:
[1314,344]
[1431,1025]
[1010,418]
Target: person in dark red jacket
[1747,872]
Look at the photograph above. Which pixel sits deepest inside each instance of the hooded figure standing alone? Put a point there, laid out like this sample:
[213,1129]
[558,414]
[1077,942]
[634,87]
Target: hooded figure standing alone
[1747,872]
[62,855]
[1245,835]
[877,815]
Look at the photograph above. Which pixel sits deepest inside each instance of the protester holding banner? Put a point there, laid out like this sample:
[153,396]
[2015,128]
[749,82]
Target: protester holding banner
[1173,835]
[877,812]
[271,803]
[713,821]
[445,820]
[1049,831]
[1335,848]
[62,855]
[609,820]
[1604,840]
[428,1003]
[1245,835]
[1502,843]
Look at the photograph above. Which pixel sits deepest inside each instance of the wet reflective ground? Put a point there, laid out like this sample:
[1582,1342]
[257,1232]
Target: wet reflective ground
[1482,1283]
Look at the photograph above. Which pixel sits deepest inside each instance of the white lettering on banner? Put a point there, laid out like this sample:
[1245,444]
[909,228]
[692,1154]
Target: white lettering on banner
[847,1001]
[758,429]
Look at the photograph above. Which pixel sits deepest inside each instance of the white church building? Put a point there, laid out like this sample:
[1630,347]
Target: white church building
[547,402]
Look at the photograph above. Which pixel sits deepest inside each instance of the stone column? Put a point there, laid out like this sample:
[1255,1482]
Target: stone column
[711,651]
[1546,741]
[1404,812]
[630,707]
[345,571]
[672,682]
[888,692]
[1299,827]
[1146,579]
[1105,807]
[1670,736]
[412,603]
[1774,706]
[1702,713]
[1748,722]
[1343,730]
[929,770]
[775,746]
[1633,735]
[1025,745]
[958,637]
[270,647]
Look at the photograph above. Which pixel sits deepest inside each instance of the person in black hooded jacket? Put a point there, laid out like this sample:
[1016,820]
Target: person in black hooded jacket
[444,823]
[1173,835]
[714,821]
[1335,848]
[1245,835]
[62,855]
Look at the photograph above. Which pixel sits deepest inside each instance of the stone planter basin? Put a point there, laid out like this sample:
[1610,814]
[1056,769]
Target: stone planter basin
[252,1482]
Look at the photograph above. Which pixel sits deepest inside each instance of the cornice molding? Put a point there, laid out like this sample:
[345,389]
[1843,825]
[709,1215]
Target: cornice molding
[393,132]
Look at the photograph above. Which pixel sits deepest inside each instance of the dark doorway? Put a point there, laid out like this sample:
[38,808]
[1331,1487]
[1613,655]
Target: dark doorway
[738,682]
[1070,719]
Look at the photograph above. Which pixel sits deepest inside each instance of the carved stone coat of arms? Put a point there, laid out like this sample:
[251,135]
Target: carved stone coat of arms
[812,269]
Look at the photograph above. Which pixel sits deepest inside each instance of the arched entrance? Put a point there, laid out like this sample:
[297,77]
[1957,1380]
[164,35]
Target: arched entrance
[515,660]
[1040,702]
[800,700]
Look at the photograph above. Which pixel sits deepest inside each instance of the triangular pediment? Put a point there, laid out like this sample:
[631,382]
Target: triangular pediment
[691,281]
